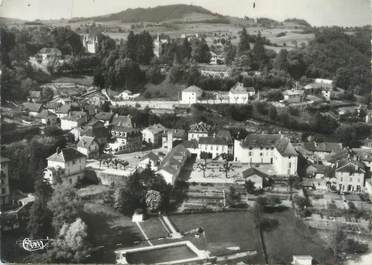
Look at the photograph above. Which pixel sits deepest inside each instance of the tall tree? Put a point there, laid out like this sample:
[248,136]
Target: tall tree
[243,46]
[281,60]
[72,244]
[65,205]
[40,220]
[131,46]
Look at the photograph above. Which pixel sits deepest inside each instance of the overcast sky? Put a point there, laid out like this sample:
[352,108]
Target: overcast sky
[316,12]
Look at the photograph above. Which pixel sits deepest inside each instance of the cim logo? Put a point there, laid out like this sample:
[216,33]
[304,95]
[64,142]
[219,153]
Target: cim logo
[35,244]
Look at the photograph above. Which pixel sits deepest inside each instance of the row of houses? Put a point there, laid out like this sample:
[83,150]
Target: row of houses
[238,94]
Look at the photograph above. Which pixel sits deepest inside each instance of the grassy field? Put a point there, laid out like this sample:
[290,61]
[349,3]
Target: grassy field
[223,231]
[110,230]
[292,237]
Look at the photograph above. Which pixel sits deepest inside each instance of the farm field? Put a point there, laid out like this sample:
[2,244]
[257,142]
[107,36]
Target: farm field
[292,237]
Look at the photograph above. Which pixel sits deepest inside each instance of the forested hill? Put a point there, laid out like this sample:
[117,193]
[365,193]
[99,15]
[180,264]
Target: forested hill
[155,14]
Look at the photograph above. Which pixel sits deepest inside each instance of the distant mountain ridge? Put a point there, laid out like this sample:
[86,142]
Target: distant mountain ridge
[155,14]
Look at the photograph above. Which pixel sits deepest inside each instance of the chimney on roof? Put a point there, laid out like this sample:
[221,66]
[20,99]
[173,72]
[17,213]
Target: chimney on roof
[58,150]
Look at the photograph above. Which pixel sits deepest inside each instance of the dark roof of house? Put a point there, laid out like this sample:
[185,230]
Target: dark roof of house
[66,154]
[200,127]
[151,156]
[45,114]
[122,121]
[177,133]
[212,141]
[333,158]
[190,144]
[156,128]
[34,107]
[85,141]
[75,115]
[351,166]
[105,116]
[253,171]
[278,141]
[64,109]
[194,89]
[239,88]
[363,154]
[96,132]
[328,147]
[173,159]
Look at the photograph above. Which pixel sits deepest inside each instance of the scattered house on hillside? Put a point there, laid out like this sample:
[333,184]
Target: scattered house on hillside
[74,119]
[320,86]
[46,54]
[323,149]
[34,96]
[153,134]
[215,71]
[150,159]
[33,109]
[239,94]
[4,181]
[271,149]
[198,130]
[88,146]
[293,96]
[126,95]
[105,117]
[172,164]
[191,95]
[90,43]
[256,176]
[172,137]
[350,176]
[70,162]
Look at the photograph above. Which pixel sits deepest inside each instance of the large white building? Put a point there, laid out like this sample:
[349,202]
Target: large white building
[68,160]
[272,149]
[239,94]
[215,146]
[350,176]
[191,95]
[153,134]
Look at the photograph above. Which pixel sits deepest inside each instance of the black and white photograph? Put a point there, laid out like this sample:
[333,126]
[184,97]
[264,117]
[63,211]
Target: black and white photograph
[186,132]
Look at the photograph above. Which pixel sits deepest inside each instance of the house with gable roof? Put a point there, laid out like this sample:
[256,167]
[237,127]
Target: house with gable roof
[149,159]
[88,146]
[350,176]
[197,130]
[239,94]
[69,162]
[172,164]
[153,134]
[270,149]
[191,95]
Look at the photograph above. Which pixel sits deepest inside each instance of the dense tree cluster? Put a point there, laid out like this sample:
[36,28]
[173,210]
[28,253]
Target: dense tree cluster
[140,190]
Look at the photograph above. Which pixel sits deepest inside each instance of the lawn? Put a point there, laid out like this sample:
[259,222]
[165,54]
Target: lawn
[292,237]
[110,230]
[223,231]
